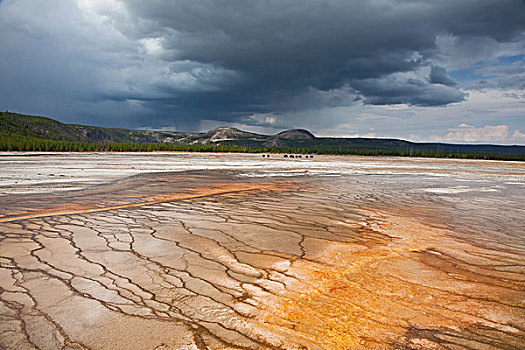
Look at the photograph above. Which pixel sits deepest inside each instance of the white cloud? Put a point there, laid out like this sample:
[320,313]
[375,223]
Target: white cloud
[457,53]
[262,119]
[460,53]
[518,136]
[469,133]
[152,46]
[465,133]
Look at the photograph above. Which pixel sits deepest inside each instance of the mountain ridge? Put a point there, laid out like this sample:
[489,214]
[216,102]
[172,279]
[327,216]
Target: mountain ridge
[13,126]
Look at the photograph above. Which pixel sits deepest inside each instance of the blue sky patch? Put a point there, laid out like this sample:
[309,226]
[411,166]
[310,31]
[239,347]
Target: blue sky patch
[503,60]
[471,73]
[463,75]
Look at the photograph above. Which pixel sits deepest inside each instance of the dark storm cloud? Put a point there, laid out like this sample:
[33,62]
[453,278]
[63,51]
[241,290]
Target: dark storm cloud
[411,91]
[288,48]
[189,60]
[438,75]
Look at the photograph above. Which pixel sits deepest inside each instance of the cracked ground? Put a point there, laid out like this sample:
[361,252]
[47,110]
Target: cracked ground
[223,259]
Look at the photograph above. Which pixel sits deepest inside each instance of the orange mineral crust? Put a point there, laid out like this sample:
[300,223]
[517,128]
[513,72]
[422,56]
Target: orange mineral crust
[270,259]
[410,292]
[148,199]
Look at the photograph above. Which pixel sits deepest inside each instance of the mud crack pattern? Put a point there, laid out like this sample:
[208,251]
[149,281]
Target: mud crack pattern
[311,264]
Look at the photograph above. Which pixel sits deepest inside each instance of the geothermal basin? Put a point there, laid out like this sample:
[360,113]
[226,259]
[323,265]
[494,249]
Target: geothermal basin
[236,251]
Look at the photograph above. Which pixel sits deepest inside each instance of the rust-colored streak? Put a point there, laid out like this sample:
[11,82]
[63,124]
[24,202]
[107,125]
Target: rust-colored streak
[367,298]
[350,262]
[219,189]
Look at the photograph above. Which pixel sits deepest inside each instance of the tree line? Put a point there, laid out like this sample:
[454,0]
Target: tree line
[31,144]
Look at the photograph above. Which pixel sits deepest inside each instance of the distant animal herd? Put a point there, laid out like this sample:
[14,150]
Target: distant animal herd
[291,156]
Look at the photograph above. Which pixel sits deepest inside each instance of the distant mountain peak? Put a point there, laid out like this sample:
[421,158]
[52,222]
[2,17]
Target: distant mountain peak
[21,132]
[295,134]
[226,133]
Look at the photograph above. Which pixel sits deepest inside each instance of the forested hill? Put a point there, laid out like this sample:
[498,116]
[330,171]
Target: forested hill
[33,133]
[50,129]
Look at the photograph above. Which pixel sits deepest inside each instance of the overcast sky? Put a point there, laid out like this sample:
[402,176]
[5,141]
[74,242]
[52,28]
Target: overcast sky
[448,70]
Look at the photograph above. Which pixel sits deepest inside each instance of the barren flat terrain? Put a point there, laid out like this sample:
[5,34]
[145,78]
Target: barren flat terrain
[226,251]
